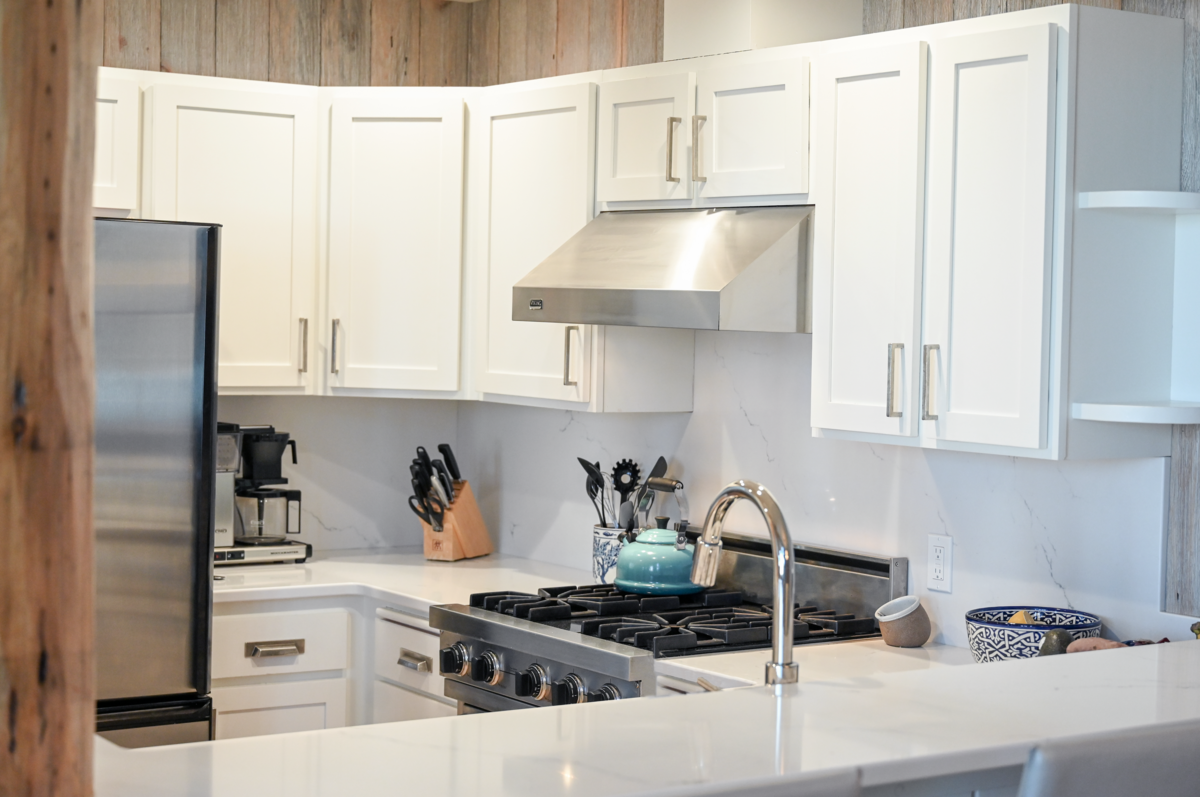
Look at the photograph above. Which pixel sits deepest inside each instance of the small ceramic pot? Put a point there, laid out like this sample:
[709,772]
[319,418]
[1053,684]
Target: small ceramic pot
[904,622]
[605,550]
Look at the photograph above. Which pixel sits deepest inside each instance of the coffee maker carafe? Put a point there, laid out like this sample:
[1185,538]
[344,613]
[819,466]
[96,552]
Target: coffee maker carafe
[265,512]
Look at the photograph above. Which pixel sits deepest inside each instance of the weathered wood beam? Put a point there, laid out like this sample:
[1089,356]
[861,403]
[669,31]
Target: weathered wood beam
[49,52]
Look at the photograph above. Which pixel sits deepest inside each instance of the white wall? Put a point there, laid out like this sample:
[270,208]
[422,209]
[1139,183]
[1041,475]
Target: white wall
[1082,534]
[693,28]
[353,457]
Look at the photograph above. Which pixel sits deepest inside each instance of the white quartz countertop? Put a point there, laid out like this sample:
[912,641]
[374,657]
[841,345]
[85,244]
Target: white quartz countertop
[895,726]
[403,577]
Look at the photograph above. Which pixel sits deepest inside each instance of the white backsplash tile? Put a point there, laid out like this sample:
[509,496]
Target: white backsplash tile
[1081,534]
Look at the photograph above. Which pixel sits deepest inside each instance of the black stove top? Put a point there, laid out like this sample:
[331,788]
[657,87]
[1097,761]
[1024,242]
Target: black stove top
[712,621]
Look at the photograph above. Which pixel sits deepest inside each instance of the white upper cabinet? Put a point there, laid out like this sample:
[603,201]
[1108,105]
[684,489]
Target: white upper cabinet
[870,133]
[645,134]
[115,184]
[245,160]
[395,242]
[750,130]
[987,287]
[531,185]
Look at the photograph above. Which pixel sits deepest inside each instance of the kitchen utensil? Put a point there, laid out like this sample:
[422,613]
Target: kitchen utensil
[427,508]
[644,499]
[904,622]
[426,462]
[626,478]
[443,475]
[606,547]
[451,461]
[650,564]
[625,519]
[993,638]
[425,484]
[595,484]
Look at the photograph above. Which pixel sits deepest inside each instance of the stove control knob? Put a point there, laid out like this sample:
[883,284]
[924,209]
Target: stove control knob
[486,668]
[568,690]
[455,660]
[606,692]
[534,683]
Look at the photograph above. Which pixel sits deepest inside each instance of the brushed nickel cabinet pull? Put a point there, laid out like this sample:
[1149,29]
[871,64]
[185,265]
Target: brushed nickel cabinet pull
[333,363]
[567,356]
[415,661]
[671,122]
[278,647]
[304,345]
[696,175]
[895,353]
[927,413]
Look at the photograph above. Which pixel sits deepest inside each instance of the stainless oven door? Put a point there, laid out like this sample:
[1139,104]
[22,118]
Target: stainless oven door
[473,700]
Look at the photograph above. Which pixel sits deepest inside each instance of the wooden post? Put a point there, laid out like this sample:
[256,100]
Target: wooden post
[49,51]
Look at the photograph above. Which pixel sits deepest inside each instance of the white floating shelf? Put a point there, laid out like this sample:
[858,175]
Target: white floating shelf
[1169,412]
[1171,202]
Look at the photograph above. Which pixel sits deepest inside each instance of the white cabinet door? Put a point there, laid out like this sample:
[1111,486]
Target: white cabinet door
[750,131]
[990,226]
[285,707]
[869,179]
[644,138]
[115,184]
[245,160]
[397,704]
[395,242]
[531,167]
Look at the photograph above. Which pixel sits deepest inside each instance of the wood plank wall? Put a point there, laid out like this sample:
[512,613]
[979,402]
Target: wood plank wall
[48,57]
[382,42]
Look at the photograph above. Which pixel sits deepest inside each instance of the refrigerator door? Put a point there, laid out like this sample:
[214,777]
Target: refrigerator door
[154,471]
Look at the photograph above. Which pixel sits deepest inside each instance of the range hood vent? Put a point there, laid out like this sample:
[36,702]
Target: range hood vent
[715,268]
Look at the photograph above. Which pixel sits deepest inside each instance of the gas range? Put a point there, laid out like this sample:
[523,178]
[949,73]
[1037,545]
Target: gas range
[578,644]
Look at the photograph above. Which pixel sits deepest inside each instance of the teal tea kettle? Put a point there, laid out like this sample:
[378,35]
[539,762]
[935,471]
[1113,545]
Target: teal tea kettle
[651,563]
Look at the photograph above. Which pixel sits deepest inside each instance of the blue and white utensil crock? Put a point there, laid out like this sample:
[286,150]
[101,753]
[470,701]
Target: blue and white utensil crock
[605,550]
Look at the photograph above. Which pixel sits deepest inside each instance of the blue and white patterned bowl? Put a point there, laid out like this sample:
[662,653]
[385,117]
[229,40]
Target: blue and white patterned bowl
[993,638]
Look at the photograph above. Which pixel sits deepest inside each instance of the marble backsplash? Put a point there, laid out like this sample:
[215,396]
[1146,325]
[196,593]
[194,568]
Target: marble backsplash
[1086,535]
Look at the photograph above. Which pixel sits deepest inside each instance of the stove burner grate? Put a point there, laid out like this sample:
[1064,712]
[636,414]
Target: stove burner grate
[671,625]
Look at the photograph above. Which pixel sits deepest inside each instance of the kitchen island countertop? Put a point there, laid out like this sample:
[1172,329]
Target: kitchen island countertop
[895,727]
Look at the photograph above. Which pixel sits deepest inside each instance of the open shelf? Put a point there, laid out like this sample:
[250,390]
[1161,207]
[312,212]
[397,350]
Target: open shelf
[1170,202]
[1170,412]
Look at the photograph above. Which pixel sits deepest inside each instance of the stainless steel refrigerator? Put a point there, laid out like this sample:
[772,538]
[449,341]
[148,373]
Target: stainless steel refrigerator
[156,342]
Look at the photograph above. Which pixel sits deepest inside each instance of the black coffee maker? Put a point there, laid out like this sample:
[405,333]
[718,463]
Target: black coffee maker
[265,512]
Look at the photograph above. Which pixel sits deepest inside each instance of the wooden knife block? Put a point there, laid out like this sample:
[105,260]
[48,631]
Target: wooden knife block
[464,535]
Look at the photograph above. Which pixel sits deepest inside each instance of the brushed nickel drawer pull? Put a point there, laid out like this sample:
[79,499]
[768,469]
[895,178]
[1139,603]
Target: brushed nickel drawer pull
[671,122]
[895,352]
[927,407]
[696,175]
[415,661]
[278,647]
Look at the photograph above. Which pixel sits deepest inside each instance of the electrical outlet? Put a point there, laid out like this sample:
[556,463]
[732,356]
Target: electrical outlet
[941,556]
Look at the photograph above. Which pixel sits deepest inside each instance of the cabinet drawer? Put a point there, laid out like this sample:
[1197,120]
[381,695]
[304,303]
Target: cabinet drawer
[397,704]
[261,709]
[402,639]
[325,635]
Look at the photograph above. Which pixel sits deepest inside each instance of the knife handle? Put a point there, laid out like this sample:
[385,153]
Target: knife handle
[451,462]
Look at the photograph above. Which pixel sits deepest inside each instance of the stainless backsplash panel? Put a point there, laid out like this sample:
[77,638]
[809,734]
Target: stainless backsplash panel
[149,404]
[849,583]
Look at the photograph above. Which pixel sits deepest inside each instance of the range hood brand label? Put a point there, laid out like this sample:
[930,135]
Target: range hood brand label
[535,304]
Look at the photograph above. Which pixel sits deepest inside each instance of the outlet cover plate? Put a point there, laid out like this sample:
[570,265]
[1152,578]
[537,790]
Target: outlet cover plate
[941,558]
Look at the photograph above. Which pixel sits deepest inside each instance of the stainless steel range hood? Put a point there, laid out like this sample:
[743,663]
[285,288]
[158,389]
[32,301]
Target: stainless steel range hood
[716,268]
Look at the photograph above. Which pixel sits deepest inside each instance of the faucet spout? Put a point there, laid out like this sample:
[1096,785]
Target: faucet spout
[707,557]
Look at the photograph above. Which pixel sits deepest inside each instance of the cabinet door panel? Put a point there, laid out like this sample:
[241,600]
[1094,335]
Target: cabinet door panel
[988,287]
[531,160]
[115,183]
[636,137]
[397,704]
[279,707]
[753,139]
[869,180]
[245,160]
[395,242]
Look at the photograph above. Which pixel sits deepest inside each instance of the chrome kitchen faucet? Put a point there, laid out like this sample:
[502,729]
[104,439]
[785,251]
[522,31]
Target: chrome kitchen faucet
[781,670]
